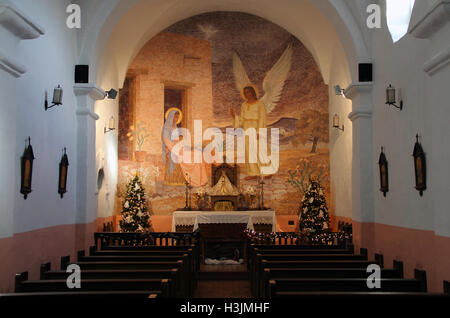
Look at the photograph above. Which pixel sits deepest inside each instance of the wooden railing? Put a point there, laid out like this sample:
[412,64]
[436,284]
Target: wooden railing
[144,239]
[296,238]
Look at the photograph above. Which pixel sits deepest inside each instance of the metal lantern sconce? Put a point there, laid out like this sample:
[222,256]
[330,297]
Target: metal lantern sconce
[26,170]
[391,99]
[336,122]
[63,167]
[112,125]
[420,167]
[57,98]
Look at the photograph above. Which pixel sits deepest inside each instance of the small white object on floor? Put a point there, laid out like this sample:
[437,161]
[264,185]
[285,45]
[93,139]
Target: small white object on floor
[210,261]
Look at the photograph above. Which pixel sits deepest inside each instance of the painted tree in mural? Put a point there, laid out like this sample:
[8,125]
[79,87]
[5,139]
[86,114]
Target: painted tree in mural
[313,210]
[313,127]
[135,217]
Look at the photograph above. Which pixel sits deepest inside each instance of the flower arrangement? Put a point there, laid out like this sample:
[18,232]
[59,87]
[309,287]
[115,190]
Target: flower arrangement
[201,199]
[303,173]
[249,195]
[138,133]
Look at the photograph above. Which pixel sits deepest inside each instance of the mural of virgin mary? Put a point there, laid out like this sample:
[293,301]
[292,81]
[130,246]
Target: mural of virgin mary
[195,173]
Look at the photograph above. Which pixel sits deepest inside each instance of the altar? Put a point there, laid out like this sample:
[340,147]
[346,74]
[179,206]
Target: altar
[250,218]
[222,232]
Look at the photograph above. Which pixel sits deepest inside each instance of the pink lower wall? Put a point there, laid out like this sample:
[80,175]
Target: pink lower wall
[416,248]
[27,251]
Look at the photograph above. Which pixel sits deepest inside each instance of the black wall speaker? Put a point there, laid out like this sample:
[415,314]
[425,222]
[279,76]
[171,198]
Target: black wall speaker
[81,73]
[365,72]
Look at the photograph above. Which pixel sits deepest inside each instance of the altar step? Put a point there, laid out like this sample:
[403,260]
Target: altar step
[223,272]
[223,275]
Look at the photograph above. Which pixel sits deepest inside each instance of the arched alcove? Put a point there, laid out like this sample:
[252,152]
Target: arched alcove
[327,29]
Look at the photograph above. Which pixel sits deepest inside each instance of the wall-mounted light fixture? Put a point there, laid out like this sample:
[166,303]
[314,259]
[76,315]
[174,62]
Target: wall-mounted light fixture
[26,169]
[336,122]
[63,167]
[339,91]
[57,98]
[111,94]
[112,125]
[391,99]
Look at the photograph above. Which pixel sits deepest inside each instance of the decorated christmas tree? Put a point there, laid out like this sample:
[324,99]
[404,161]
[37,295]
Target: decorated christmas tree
[313,210]
[135,217]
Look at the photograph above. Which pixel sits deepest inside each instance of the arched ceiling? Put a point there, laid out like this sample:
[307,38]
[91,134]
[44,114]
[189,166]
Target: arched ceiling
[118,29]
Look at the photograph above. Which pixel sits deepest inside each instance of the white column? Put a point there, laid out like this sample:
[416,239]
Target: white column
[86,200]
[362,156]
[15,26]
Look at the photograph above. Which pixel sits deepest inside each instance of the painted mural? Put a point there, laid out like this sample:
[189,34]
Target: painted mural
[223,68]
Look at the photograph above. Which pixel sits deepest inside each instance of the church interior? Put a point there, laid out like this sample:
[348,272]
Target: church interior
[225,149]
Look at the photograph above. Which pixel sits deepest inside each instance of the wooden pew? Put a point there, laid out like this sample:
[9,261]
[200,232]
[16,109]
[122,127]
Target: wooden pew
[173,274]
[149,250]
[155,251]
[180,265]
[366,298]
[188,271]
[277,273]
[314,260]
[84,295]
[288,286]
[254,249]
[22,284]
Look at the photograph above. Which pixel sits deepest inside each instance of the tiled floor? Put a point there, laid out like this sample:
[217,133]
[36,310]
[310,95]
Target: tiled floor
[223,289]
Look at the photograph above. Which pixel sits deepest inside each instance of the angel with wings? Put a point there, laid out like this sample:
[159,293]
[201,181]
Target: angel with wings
[253,110]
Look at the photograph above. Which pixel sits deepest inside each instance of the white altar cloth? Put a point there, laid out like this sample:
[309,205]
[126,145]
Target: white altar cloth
[205,217]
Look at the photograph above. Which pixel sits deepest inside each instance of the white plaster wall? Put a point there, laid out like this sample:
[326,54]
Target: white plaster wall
[50,60]
[8,189]
[425,112]
[340,141]
[106,144]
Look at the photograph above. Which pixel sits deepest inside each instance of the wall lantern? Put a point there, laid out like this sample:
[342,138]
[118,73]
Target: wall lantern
[384,175]
[336,122]
[391,99]
[112,125]
[62,181]
[111,94]
[57,98]
[420,167]
[26,169]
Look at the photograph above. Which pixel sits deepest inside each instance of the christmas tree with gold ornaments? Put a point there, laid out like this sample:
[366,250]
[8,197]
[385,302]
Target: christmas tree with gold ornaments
[135,217]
